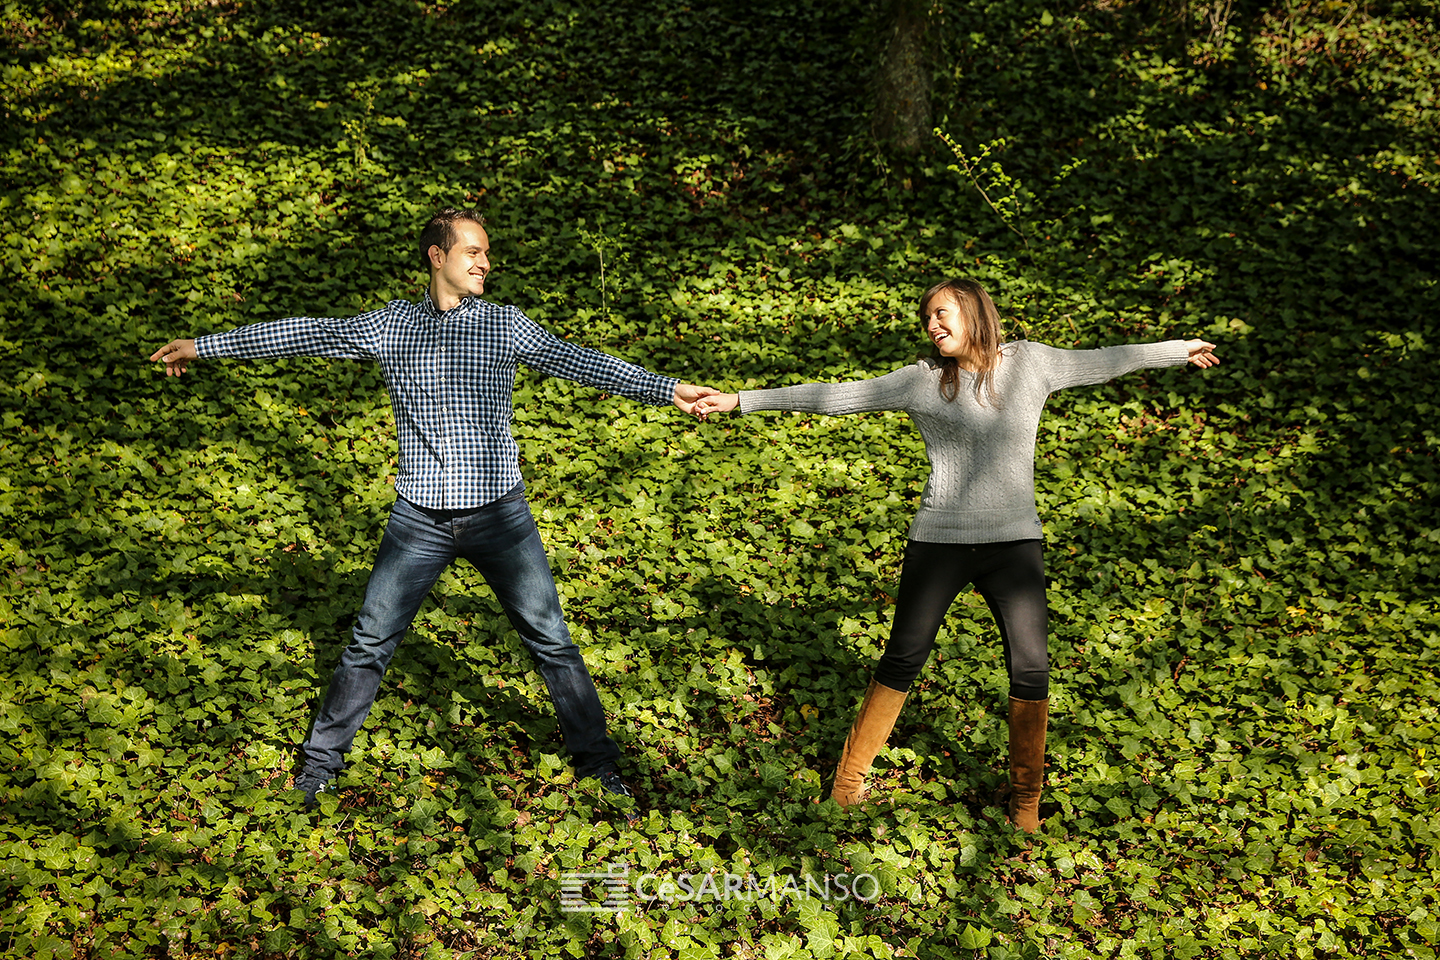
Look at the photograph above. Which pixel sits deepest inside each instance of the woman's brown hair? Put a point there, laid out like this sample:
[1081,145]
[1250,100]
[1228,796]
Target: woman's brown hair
[983,337]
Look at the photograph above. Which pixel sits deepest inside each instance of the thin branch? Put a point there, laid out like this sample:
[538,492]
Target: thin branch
[956,149]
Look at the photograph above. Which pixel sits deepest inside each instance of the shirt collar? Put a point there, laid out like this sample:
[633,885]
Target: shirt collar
[434,310]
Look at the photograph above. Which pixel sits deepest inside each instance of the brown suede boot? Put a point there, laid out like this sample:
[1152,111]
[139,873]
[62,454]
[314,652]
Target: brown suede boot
[867,735]
[1027,761]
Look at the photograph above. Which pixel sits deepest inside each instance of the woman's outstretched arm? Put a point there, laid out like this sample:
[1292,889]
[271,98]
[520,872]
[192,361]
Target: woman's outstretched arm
[893,391]
[1077,368]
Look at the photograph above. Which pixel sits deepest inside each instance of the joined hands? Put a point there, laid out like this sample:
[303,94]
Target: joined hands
[688,397]
[703,401]
[717,403]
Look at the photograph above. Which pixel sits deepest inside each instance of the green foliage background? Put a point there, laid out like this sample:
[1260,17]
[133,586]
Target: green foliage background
[1244,562]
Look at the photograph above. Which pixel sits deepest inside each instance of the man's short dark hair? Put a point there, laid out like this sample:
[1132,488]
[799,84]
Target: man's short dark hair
[440,231]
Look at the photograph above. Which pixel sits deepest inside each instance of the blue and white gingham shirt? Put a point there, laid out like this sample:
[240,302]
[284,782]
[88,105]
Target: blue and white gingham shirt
[451,377]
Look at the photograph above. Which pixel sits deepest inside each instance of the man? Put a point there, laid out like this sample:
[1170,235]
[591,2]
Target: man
[449,362]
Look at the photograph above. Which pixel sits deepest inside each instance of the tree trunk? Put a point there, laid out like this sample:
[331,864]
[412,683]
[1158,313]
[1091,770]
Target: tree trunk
[902,96]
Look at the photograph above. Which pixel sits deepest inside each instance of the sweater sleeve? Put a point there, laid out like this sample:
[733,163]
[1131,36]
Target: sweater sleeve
[890,392]
[1078,368]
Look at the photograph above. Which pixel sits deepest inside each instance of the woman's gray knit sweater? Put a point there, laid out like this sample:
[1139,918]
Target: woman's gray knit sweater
[982,456]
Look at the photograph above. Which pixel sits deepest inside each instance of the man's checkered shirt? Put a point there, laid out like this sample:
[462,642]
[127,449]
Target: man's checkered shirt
[451,378]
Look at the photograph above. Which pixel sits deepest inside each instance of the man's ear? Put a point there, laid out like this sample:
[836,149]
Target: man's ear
[436,255]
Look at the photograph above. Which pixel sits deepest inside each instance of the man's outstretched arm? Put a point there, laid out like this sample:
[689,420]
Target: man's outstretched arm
[547,353]
[352,338]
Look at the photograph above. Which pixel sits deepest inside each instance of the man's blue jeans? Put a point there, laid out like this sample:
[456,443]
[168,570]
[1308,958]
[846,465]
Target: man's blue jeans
[500,539]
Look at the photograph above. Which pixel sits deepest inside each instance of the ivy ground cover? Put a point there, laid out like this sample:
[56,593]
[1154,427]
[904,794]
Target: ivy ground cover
[1243,562]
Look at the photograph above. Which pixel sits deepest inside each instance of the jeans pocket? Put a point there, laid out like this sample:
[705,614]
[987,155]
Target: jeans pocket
[516,492]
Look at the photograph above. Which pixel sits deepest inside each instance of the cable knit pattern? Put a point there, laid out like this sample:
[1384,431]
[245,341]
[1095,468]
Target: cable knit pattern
[982,455]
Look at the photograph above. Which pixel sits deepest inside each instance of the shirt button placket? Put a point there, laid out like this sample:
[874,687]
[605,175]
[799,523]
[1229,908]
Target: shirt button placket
[444,425]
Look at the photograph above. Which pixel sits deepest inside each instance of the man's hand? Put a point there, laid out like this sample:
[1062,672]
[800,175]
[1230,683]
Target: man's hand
[687,395]
[177,355]
[1200,353]
[717,403]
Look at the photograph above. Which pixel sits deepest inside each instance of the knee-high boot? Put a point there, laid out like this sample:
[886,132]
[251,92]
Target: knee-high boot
[1028,719]
[867,735]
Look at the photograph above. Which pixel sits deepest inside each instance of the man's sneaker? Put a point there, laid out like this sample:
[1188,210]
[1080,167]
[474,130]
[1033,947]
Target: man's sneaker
[313,783]
[611,783]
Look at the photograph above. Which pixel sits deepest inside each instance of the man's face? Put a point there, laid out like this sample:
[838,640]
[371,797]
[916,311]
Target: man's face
[461,270]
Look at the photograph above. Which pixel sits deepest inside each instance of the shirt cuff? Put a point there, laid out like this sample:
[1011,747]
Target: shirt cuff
[665,389]
[206,346]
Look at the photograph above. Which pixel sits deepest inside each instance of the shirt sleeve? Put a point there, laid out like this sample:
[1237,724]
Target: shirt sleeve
[353,338]
[890,392]
[542,350]
[1078,368]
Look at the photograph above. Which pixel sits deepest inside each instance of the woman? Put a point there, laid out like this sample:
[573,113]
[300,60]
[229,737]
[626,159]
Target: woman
[977,403]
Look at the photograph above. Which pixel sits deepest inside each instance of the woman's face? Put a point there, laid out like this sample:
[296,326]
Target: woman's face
[945,325]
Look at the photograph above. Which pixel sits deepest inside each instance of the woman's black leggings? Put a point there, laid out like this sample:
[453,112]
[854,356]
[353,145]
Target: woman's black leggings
[1011,578]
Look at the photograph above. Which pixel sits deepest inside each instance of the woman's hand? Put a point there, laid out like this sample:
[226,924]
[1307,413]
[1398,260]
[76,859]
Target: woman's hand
[717,403]
[1200,353]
